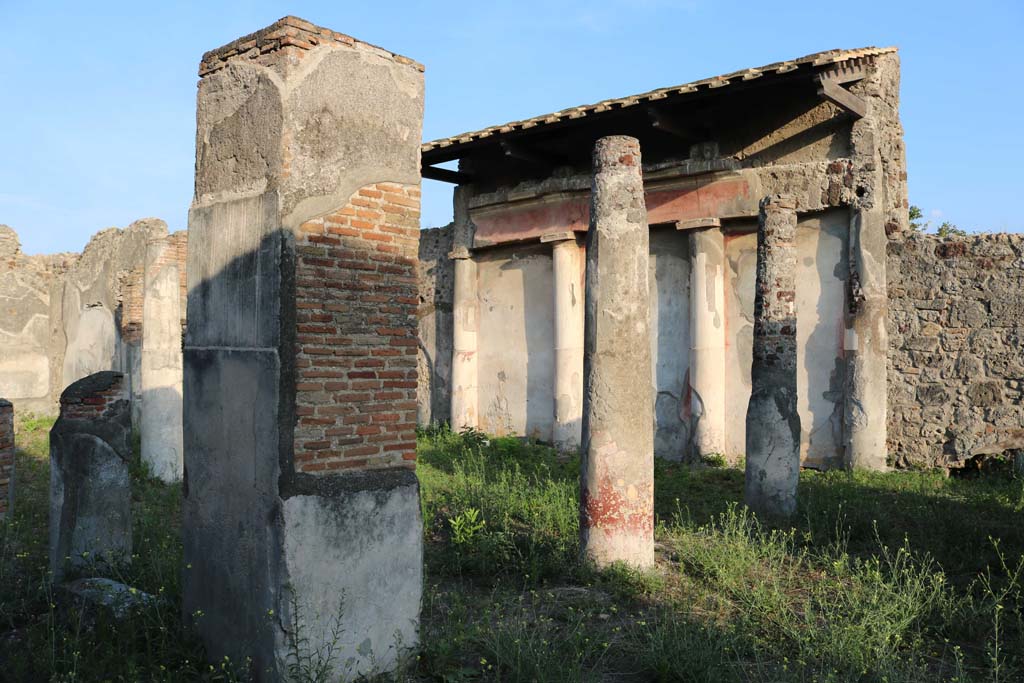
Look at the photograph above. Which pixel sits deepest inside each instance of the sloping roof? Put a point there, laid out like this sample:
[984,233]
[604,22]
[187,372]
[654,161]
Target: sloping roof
[819,59]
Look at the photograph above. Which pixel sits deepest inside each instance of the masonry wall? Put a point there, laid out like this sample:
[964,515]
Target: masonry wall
[956,357]
[30,336]
[67,316]
[356,354]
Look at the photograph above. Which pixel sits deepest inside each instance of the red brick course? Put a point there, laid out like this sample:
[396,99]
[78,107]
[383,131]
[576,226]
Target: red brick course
[291,35]
[93,405]
[356,299]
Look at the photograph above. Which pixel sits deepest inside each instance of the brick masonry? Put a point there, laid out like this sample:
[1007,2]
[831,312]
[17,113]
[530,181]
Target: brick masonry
[94,397]
[287,35]
[356,299]
[6,457]
[132,288]
[956,354]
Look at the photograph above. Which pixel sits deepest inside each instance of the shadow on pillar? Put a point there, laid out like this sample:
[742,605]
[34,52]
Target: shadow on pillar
[277,558]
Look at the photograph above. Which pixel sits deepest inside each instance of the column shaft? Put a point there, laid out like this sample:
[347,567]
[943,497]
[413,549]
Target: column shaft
[707,341]
[617,467]
[161,420]
[466,319]
[567,262]
[773,423]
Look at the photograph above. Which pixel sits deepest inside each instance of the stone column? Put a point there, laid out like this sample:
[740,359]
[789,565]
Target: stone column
[617,468]
[707,341]
[90,488]
[773,423]
[301,511]
[6,458]
[567,262]
[160,423]
[867,340]
[465,318]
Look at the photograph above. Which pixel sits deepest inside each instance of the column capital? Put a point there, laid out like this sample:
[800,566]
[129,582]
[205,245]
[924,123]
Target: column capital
[459,253]
[778,201]
[698,223]
[563,236]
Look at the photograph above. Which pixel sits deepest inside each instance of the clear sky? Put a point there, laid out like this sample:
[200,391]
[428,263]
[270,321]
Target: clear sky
[98,113]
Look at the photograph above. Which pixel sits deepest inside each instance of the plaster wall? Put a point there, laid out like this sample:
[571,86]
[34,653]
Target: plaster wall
[669,282]
[821,287]
[517,342]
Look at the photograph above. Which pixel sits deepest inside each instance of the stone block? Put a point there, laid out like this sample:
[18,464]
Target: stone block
[90,487]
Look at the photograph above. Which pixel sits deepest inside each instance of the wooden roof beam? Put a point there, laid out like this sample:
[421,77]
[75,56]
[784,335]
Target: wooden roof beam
[841,97]
[446,175]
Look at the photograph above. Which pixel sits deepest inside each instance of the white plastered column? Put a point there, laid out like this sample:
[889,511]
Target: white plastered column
[707,336]
[568,266]
[466,320]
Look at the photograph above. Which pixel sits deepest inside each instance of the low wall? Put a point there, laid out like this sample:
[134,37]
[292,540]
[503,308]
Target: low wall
[956,356]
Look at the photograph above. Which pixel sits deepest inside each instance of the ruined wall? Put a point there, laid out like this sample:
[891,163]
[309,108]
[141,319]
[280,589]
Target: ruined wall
[435,274]
[66,316]
[956,354]
[30,375]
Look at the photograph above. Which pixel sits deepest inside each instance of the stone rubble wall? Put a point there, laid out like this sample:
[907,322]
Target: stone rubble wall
[956,353]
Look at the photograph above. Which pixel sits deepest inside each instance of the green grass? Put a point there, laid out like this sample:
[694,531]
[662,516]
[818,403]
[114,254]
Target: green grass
[883,577]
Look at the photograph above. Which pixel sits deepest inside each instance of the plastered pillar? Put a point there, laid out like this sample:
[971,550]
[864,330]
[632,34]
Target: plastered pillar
[567,264]
[617,466]
[161,420]
[301,510]
[866,344]
[465,318]
[773,423]
[707,340]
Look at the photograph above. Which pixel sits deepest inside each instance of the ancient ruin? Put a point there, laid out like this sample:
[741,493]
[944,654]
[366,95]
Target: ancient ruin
[773,421]
[301,499]
[6,458]
[90,492]
[617,467]
[823,129]
[70,315]
[160,418]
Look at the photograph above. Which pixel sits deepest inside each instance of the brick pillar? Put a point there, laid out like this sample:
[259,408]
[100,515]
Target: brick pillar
[301,500]
[90,487]
[465,318]
[6,458]
[567,262]
[617,468]
[160,421]
[773,423]
[707,341]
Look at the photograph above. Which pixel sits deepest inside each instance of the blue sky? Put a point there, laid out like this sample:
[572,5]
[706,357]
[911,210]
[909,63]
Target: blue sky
[98,116]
